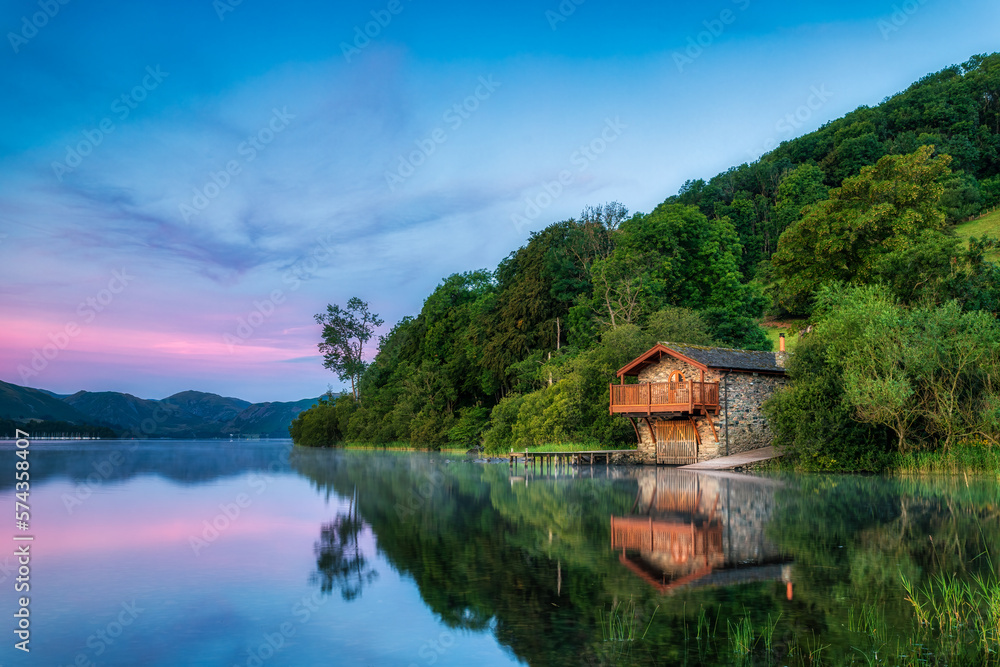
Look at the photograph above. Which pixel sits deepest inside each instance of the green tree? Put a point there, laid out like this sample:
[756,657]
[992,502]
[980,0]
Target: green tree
[325,423]
[882,211]
[925,372]
[799,188]
[878,377]
[738,331]
[877,361]
[679,325]
[812,421]
[345,333]
[962,198]
[674,256]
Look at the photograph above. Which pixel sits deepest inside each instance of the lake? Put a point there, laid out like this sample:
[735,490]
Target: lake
[257,553]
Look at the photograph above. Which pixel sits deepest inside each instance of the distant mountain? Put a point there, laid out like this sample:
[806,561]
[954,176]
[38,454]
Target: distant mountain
[53,394]
[211,407]
[188,414]
[23,403]
[140,416]
[268,418]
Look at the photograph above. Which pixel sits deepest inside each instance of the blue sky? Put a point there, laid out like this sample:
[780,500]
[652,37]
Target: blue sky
[183,185]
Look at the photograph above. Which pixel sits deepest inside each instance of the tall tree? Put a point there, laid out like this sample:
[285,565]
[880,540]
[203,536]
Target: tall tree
[674,256]
[345,332]
[855,235]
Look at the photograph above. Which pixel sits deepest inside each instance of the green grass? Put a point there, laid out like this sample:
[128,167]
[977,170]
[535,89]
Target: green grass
[744,638]
[966,457]
[399,445]
[396,446]
[972,457]
[788,327]
[988,225]
[620,628]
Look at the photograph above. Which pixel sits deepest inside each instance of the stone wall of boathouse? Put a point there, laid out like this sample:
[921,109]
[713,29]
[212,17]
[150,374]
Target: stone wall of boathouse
[747,426]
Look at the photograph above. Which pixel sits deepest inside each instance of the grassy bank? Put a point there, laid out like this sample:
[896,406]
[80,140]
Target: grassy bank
[988,225]
[401,446]
[973,458]
[790,327]
[963,458]
[576,447]
[397,446]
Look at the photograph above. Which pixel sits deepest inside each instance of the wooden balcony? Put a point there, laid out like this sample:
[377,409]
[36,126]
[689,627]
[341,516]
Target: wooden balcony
[682,541]
[663,397]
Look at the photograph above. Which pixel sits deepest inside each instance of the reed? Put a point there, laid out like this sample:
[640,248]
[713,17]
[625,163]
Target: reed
[964,457]
[621,623]
[742,637]
[955,617]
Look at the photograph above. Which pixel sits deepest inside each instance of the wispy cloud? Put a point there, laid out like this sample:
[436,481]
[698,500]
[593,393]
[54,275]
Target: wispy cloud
[343,126]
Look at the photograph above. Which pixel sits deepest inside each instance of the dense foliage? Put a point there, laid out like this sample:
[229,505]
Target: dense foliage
[522,355]
[877,378]
[956,110]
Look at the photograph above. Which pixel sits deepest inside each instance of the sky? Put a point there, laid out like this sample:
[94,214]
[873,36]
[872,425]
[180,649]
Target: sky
[184,185]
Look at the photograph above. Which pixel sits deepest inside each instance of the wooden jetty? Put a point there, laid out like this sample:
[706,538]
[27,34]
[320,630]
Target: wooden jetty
[548,460]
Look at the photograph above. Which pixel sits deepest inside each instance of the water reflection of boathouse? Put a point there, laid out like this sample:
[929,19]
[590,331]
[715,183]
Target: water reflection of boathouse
[690,530]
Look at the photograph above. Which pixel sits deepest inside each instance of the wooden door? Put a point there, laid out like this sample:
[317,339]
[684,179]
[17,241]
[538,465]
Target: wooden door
[676,442]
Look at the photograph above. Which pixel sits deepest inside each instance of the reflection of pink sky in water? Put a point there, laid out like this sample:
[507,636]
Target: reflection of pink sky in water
[164,516]
[139,536]
[129,542]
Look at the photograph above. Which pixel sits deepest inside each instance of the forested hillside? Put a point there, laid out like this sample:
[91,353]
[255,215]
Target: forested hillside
[112,414]
[859,214]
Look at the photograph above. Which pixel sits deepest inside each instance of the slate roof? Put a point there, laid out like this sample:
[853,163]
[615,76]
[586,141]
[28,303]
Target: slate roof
[720,357]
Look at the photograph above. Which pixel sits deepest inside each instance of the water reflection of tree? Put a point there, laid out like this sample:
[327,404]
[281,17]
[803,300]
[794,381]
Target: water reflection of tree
[340,562]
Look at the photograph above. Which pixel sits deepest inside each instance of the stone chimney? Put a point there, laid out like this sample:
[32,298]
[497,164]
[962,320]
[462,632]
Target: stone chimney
[781,356]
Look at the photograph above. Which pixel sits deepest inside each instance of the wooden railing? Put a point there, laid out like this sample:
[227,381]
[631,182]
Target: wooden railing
[652,397]
[681,540]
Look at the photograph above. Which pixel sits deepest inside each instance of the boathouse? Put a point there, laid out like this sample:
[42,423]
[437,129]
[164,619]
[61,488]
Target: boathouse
[692,403]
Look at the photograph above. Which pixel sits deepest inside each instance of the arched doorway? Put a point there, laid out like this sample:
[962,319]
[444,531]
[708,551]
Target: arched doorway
[679,387]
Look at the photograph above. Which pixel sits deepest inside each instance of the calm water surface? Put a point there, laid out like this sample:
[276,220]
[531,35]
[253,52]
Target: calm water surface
[218,553]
